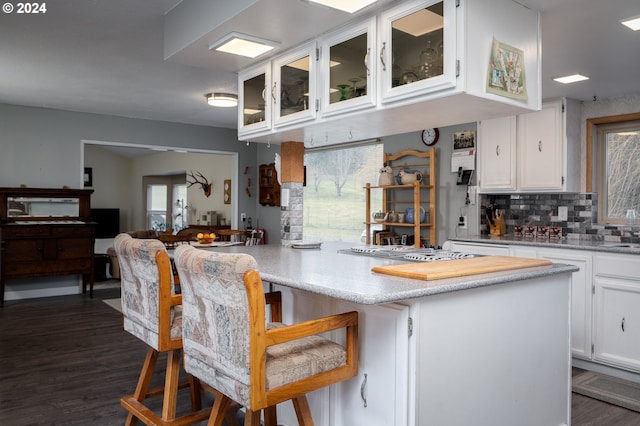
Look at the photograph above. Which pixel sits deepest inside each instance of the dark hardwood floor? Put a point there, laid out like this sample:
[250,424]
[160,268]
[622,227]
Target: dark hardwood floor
[67,361]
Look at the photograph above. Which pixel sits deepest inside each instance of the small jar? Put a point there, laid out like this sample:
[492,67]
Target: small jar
[631,217]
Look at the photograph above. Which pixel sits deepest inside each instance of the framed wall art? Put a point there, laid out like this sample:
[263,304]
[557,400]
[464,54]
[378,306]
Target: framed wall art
[506,76]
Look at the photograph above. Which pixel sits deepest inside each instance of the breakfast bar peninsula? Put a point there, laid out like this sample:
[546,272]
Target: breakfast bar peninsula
[477,349]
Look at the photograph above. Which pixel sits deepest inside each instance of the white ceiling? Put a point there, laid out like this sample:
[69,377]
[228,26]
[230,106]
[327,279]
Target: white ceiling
[108,56]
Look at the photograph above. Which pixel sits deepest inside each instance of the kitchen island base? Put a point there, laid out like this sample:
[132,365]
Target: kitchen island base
[494,355]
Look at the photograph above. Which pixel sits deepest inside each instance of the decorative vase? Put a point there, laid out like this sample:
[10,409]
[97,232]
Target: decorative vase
[410,215]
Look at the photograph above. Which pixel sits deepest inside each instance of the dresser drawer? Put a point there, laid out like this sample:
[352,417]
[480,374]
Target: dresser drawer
[617,265]
[25,231]
[72,231]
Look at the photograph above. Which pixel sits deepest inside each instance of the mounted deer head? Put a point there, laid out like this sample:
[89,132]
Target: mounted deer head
[200,179]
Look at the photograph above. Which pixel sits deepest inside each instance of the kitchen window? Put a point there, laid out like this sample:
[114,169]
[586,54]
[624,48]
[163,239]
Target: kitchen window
[618,170]
[334,197]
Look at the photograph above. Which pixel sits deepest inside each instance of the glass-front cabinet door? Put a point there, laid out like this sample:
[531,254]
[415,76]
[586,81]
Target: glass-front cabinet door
[347,69]
[294,86]
[255,100]
[417,49]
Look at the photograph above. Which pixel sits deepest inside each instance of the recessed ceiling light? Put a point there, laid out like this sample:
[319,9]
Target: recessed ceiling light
[570,79]
[243,45]
[633,23]
[224,100]
[350,6]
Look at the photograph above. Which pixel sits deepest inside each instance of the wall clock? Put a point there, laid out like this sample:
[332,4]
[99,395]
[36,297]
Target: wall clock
[430,136]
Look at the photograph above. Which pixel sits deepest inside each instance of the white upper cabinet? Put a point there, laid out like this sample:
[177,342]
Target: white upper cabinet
[294,86]
[415,65]
[278,93]
[541,146]
[347,69]
[532,152]
[255,100]
[417,49]
[497,154]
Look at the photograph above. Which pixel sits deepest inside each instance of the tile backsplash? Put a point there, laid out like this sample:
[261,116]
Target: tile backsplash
[542,210]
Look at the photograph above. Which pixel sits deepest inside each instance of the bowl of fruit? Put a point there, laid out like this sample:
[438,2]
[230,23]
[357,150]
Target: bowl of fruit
[206,238]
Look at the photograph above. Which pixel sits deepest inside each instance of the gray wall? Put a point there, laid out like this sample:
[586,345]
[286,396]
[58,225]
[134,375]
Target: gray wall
[41,147]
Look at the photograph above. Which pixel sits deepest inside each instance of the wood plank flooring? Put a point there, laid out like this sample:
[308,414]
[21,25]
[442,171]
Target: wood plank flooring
[67,361]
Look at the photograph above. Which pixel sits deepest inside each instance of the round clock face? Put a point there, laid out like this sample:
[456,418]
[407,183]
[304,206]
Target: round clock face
[430,136]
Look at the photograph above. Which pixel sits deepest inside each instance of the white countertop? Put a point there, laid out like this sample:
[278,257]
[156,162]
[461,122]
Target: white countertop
[604,246]
[345,276]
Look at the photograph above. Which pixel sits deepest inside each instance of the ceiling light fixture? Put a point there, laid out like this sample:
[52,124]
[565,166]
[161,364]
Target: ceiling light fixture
[350,6]
[633,23]
[243,45]
[571,78]
[224,100]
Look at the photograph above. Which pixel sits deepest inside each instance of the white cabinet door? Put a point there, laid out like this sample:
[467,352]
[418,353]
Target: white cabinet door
[378,394]
[497,154]
[417,49]
[617,322]
[255,100]
[347,69]
[581,297]
[541,148]
[294,86]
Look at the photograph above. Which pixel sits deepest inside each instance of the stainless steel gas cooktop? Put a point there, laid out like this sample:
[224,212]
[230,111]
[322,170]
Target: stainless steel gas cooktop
[408,253]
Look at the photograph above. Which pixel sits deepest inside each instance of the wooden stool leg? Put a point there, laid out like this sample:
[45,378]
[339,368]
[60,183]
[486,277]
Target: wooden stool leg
[252,418]
[170,399]
[301,405]
[143,382]
[270,416]
[196,393]
[220,407]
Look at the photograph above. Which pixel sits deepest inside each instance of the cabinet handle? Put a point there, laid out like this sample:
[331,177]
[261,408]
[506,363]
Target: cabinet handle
[366,61]
[622,324]
[540,146]
[384,46]
[273,92]
[497,150]
[362,386]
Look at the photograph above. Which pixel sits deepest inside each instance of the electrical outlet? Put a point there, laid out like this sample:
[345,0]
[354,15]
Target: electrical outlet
[462,222]
[563,213]
[243,216]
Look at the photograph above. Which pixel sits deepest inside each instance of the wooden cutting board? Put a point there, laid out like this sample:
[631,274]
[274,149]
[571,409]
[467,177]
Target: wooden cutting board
[459,267]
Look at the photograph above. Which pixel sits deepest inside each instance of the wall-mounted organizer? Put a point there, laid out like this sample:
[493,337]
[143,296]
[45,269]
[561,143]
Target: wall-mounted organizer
[269,185]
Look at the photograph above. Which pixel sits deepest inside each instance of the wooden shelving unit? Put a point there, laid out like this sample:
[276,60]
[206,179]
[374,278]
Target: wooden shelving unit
[392,196]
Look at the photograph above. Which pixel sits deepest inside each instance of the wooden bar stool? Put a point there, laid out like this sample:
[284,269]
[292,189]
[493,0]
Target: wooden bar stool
[153,313]
[230,346]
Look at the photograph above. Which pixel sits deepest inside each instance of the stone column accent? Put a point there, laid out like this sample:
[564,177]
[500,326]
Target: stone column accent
[291,181]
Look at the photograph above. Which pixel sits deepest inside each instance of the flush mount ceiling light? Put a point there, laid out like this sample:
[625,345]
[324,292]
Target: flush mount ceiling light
[633,23]
[350,6]
[571,79]
[224,100]
[243,45]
